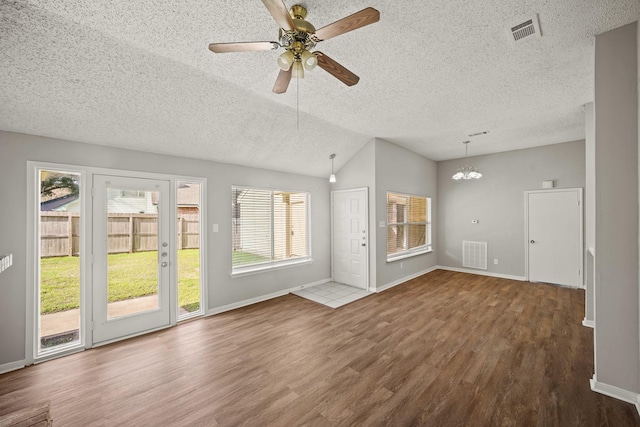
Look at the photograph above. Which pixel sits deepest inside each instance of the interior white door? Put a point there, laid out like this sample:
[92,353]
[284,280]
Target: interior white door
[350,242]
[555,236]
[131,251]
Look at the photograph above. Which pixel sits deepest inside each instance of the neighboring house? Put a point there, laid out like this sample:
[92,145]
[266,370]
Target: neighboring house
[124,202]
[188,198]
[68,203]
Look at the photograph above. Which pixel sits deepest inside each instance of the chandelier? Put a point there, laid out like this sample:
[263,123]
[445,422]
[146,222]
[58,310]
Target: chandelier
[466,171]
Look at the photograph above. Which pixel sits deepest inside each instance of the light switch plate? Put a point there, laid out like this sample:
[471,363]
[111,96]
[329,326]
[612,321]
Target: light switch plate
[214,227]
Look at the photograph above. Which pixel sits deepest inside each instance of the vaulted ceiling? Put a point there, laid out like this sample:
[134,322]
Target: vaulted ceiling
[139,75]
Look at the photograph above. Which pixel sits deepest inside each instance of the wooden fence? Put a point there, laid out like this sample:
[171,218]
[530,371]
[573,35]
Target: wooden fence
[60,233]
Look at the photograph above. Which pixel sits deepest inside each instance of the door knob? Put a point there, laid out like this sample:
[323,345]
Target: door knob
[164,264]
[532,241]
[364,244]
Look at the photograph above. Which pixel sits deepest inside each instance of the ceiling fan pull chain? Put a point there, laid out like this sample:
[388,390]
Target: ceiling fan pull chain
[297,102]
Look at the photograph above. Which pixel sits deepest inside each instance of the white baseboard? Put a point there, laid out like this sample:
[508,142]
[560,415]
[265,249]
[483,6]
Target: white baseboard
[588,323]
[404,279]
[615,392]
[12,366]
[482,273]
[250,301]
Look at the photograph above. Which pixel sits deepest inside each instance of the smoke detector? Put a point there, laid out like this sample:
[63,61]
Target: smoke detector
[524,29]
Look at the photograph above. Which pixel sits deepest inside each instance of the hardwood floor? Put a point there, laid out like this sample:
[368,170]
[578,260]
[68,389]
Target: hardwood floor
[445,349]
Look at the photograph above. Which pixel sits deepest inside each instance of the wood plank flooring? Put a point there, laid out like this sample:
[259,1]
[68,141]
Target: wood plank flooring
[445,349]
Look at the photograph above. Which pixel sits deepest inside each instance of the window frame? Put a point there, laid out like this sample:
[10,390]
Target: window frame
[418,250]
[263,266]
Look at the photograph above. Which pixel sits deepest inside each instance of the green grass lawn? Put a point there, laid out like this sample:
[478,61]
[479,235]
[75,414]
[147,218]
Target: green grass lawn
[130,276]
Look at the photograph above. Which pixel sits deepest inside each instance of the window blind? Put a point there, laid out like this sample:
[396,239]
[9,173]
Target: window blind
[408,224]
[269,227]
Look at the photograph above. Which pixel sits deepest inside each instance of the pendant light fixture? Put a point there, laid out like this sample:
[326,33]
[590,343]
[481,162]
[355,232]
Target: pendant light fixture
[466,171]
[332,177]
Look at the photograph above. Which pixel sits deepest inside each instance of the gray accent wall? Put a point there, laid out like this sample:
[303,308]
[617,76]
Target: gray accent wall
[401,171]
[17,149]
[384,167]
[360,172]
[617,330]
[497,201]
[589,207]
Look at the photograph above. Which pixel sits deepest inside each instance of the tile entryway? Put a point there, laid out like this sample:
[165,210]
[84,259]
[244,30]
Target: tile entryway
[332,294]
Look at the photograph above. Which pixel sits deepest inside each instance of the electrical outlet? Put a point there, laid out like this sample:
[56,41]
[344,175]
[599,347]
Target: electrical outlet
[495,261]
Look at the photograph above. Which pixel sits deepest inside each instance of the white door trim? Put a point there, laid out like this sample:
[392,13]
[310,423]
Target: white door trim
[578,192]
[368,251]
[87,173]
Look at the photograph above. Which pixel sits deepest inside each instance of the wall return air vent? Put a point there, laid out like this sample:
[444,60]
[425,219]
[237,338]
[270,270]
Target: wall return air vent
[474,254]
[528,28]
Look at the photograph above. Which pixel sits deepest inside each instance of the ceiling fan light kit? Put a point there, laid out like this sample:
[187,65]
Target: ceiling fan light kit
[285,60]
[299,37]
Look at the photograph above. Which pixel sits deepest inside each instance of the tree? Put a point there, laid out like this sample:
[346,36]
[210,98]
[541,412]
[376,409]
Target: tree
[58,181]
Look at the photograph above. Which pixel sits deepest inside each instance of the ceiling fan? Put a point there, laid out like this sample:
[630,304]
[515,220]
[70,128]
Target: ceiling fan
[298,37]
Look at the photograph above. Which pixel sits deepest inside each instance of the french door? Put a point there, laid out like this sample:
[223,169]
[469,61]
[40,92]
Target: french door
[131,253]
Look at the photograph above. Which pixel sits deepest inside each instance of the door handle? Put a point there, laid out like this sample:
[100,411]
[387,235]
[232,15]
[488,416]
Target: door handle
[364,244]
[532,241]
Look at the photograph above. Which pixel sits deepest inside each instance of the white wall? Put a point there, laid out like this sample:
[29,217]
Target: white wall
[617,330]
[497,201]
[17,149]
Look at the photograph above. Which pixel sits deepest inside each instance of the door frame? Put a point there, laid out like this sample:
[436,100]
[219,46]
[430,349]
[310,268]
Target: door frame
[86,269]
[578,191]
[368,250]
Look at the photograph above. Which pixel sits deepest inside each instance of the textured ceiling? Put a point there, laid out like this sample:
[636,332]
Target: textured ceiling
[138,74]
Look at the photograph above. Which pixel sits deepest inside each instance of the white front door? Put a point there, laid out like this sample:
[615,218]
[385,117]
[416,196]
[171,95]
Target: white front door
[350,242]
[554,233]
[131,253]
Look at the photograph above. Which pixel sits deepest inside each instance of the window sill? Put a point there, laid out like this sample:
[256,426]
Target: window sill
[248,271]
[409,255]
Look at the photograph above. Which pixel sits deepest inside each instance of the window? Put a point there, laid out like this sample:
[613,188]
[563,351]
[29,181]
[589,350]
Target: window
[189,253]
[270,228]
[408,225]
[58,288]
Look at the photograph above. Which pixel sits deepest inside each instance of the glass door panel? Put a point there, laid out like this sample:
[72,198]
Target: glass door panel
[188,228]
[131,256]
[59,287]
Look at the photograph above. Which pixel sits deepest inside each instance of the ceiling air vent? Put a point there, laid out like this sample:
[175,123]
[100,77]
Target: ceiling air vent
[484,132]
[525,29]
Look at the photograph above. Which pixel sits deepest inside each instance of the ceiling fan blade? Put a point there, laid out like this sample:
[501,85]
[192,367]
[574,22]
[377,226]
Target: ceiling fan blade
[336,70]
[242,46]
[352,22]
[279,11]
[282,82]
